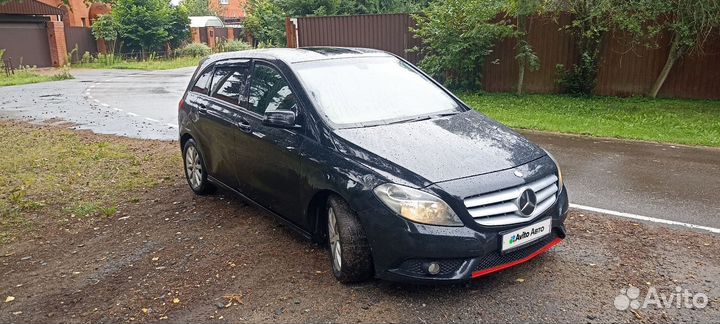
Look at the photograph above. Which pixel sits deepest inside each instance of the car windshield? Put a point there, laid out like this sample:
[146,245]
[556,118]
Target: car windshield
[372,91]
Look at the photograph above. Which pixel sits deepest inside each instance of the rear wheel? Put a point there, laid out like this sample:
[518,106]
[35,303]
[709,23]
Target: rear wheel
[349,248]
[195,170]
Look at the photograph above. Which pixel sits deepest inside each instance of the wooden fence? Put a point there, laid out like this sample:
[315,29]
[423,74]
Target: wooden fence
[624,71]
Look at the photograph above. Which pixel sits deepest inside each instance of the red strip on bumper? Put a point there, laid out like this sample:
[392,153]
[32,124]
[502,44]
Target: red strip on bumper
[514,263]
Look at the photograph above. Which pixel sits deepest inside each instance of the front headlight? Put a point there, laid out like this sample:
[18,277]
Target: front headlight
[416,205]
[560,177]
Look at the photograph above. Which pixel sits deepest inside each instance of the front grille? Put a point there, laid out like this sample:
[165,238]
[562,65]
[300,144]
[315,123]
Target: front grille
[497,259]
[499,207]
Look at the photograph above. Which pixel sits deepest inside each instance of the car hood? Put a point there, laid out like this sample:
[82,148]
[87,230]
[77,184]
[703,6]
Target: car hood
[440,149]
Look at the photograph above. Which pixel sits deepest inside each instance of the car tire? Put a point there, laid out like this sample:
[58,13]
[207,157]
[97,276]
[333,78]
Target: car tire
[350,255]
[195,170]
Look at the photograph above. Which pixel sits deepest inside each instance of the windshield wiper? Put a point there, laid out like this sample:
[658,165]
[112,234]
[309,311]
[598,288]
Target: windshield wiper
[410,120]
[446,114]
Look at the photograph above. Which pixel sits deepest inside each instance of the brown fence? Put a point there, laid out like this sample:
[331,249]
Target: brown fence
[624,71]
[386,32]
[221,33]
[82,39]
[212,36]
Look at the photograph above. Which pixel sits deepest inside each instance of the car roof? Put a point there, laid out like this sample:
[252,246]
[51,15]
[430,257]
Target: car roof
[303,54]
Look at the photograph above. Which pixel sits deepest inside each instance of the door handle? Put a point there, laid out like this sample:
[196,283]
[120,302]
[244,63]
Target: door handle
[244,126]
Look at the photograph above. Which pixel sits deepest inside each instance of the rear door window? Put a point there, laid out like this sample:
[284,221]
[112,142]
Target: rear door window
[229,83]
[202,83]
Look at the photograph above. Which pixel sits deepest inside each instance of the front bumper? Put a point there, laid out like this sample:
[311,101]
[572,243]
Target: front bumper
[402,249]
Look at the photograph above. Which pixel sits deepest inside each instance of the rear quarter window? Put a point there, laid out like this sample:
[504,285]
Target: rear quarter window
[202,83]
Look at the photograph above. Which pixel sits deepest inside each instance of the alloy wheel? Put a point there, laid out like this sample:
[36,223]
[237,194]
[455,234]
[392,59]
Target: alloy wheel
[193,167]
[334,236]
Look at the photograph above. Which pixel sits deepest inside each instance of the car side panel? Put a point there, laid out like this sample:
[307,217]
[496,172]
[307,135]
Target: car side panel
[221,128]
[194,102]
[271,171]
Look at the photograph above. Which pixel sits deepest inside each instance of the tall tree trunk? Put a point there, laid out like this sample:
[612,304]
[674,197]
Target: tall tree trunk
[673,56]
[521,77]
[521,22]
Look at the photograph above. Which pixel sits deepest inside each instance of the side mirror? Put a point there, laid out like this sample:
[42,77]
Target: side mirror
[279,118]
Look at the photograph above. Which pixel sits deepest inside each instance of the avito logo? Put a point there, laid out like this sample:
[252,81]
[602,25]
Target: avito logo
[525,234]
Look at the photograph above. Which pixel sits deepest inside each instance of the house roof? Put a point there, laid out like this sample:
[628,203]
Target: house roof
[29,7]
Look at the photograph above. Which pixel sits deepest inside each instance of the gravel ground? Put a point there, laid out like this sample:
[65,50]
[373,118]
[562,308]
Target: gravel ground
[173,256]
[177,257]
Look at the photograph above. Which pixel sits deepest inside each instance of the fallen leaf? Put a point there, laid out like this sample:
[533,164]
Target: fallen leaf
[520,280]
[9,299]
[156,258]
[176,300]
[145,310]
[236,298]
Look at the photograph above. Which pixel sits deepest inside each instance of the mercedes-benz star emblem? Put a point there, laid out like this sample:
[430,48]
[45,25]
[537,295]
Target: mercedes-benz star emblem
[526,202]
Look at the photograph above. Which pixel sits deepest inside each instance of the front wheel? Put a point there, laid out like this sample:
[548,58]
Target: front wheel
[349,248]
[195,170]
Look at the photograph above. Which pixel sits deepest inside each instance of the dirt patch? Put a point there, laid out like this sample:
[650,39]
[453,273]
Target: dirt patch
[53,173]
[171,255]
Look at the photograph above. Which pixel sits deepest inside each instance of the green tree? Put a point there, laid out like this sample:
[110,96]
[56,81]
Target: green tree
[266,22]
[359,7]
[521,10]
[199,8]
[142,24]
[689,22]
[591,20]
[299,8]
[178,26]
[457,36]
[149,25]
[106,29]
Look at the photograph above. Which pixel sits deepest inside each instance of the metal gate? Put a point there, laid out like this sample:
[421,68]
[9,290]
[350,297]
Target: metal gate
[25,43]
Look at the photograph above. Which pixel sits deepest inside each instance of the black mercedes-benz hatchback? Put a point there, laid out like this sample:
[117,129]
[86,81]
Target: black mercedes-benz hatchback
[360,150]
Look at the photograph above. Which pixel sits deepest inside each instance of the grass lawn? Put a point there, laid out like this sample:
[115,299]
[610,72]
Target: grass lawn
[693,122]
[27,76]
[155,64]
[67,176]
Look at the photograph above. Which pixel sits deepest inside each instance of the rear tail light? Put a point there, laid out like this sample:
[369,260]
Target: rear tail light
[181,105]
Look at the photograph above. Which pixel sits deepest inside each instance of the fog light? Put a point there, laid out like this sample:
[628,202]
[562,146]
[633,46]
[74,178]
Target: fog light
[433,268]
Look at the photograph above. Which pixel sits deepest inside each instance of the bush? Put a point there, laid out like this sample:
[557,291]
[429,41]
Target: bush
[86,58]
[265,45]
[194,50]
[63,74]
[233,46]
[580,79]
[457,36]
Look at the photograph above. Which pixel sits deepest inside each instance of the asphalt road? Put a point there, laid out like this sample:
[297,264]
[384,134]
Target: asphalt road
[670,182]
[138,104]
